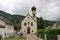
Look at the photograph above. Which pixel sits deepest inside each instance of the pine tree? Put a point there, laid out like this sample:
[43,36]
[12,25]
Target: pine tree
[40,23]
[16,26]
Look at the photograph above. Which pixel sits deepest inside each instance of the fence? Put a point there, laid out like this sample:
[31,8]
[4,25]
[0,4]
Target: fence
[49,37]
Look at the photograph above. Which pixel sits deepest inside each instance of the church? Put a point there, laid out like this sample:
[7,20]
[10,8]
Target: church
[29,23]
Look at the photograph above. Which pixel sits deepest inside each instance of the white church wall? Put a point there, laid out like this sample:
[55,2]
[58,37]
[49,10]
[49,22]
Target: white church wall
[32,28]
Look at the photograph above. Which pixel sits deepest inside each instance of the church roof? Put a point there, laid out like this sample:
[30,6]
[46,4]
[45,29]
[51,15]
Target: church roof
[31,17]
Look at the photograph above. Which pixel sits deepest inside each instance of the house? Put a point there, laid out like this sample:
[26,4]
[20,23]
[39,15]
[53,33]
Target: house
[56,25]
[6,27]
[29,23]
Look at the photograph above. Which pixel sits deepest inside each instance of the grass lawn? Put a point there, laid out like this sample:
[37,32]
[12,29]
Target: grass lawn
[15,39]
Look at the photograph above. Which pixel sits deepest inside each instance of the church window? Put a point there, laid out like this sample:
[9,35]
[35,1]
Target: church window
[24,30]
[31,23]
[28,23]
[28,17]
[32,30]
[25,24]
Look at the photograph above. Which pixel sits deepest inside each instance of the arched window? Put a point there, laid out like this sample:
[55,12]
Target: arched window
[24,31]
[25,24]
[28,23]
[28,17]
[31,23]
[32,30]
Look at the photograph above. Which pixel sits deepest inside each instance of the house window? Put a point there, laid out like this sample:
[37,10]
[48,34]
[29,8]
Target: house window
[10,27]
[25,24]
[31,23]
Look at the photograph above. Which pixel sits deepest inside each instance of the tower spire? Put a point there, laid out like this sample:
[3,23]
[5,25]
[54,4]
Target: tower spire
[33,9]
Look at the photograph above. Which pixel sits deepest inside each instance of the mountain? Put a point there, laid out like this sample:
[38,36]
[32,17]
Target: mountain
[46,23]
[10,17]
[19,18]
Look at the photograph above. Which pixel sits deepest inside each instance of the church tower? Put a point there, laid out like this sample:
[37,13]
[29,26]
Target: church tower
[33,9]
[29,23]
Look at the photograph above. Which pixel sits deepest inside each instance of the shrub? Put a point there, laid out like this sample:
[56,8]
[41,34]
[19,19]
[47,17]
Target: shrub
[0,36]
[41,31]
[53,31]
[49,31]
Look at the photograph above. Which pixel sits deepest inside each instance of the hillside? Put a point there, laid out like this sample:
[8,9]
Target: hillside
[19,18]
[10,17]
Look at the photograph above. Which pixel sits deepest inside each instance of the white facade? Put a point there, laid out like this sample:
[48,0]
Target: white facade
[33,29]
[29,23]
[7,31]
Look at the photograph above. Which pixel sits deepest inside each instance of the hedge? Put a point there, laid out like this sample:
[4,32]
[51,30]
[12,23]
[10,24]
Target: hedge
[49,31]
[41,31]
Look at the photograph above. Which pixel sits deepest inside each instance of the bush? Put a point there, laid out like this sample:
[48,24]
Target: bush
[0,37]
[49,31]
[53,31]
[41,31]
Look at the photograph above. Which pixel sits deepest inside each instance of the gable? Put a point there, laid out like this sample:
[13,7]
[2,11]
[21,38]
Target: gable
[2,22]
[5,20]
[28,17]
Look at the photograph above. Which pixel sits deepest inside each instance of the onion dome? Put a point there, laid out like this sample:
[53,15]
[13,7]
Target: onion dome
[33,8]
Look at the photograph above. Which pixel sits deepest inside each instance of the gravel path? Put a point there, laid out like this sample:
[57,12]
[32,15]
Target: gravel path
[32,37]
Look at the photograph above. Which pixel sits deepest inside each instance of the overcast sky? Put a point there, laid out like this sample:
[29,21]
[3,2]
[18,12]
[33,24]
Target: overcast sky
[48,9]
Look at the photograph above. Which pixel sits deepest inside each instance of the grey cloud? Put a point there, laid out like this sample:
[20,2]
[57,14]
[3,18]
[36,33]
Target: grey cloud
[48,9]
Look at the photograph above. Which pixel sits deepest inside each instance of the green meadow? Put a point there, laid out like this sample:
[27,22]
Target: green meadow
[15,39]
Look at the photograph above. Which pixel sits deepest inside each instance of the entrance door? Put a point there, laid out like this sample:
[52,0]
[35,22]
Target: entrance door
[28,30]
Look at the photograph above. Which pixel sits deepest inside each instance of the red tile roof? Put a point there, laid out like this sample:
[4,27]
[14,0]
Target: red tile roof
[2,26]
